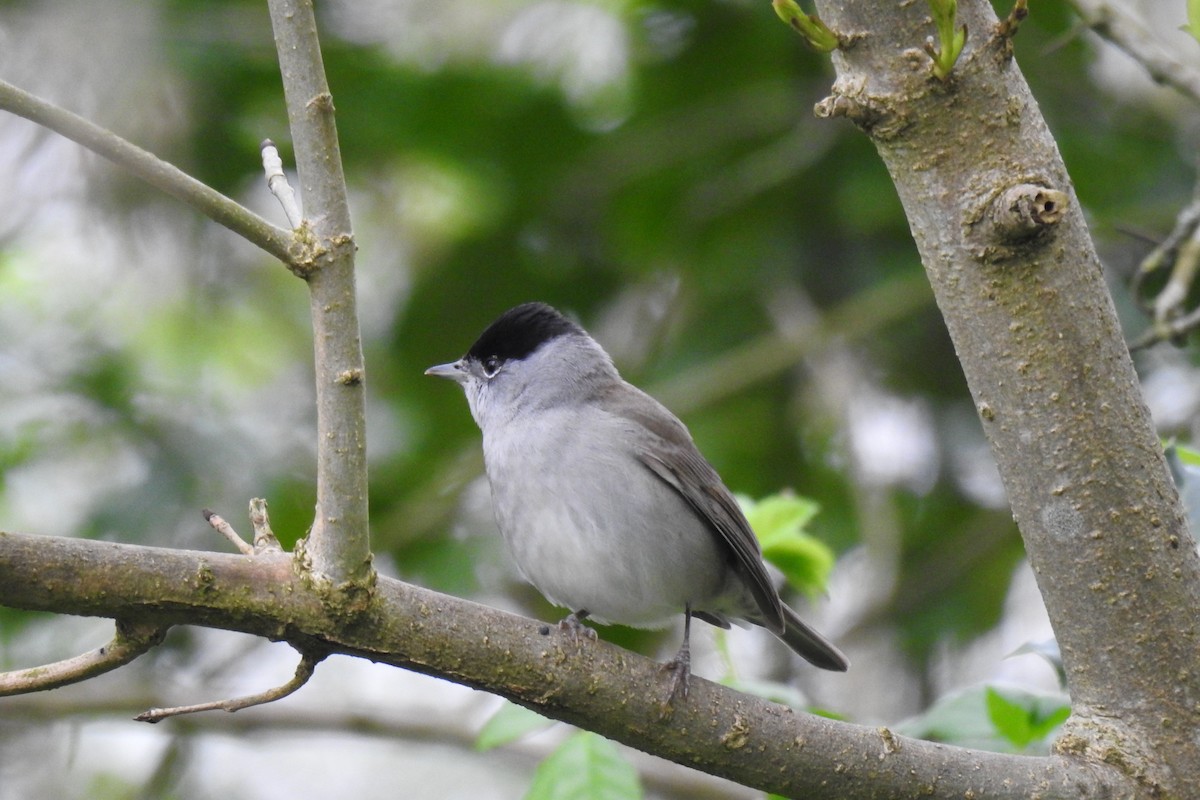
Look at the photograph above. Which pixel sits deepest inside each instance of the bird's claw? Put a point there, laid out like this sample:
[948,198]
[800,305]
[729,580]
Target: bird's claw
[572,625]
[681,672]
[680,668]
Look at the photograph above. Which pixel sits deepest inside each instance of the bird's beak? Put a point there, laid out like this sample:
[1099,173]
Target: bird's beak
[454,371]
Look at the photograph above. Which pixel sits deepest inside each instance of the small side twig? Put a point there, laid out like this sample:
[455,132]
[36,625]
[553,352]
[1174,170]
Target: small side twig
[277,182]
[304,670]
[1172,330]
[1009,25]
[131,640]
[225,529]
[264,537]
[1169,303]
[1178,255]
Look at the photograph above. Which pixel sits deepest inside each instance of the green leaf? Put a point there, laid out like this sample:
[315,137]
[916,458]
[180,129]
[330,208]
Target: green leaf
[1051,722]
[585,767]
[1193,23]
[810,26]
[508,724]
[1010,718]
[1023,718]
[778,522]
[1187,455]
[951,39]
[805,561]
[958,718]
[778,515]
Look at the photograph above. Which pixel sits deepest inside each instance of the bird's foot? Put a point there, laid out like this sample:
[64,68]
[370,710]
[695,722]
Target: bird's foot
[572,625]
[680,668]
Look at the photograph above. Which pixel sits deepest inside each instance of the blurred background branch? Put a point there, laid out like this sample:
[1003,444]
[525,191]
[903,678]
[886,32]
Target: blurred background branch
[1122,24]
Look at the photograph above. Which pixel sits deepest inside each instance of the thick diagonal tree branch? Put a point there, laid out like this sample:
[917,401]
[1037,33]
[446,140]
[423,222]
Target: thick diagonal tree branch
[1043,354]
[591,684]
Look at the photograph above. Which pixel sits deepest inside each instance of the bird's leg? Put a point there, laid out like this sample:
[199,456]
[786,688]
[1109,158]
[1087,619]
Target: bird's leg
[681,664]
[573,625]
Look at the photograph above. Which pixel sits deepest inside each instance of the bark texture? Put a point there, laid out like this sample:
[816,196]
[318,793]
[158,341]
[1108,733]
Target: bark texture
[338,546]
[1014,272]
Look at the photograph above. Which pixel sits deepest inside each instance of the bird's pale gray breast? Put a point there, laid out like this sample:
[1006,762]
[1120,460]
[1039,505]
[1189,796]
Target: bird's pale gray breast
[590,526]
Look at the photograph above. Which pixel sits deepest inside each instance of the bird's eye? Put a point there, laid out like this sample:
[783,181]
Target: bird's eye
[491,365]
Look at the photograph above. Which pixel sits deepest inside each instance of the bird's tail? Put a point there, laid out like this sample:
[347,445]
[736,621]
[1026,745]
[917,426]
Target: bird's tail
[810,645]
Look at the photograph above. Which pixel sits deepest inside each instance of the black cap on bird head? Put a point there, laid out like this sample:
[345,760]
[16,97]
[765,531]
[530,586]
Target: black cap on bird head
[521,330]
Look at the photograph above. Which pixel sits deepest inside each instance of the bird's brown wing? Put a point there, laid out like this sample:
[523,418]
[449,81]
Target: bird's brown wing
[672,456]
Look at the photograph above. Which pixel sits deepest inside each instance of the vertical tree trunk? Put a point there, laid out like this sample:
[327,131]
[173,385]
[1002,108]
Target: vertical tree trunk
[338,546]
[1004,243]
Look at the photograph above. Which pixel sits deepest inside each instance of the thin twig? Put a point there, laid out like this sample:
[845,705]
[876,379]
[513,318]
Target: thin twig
[1169,303]
[304,671]
[1179,256]
[225,529]
[131,640]
[151,169]
[264,537]
[379,721]
[1009,25]
[277,182]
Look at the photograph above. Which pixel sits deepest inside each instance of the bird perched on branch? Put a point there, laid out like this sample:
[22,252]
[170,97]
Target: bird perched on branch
[603,499]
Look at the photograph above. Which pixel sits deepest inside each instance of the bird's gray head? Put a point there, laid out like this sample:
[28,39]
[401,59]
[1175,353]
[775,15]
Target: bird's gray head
[530,358]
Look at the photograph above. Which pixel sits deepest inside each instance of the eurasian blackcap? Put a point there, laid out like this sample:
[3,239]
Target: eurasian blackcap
[605,503]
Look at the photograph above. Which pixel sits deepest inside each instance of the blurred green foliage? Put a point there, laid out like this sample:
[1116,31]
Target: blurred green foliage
[779,522]
[585,767]
[509,723]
